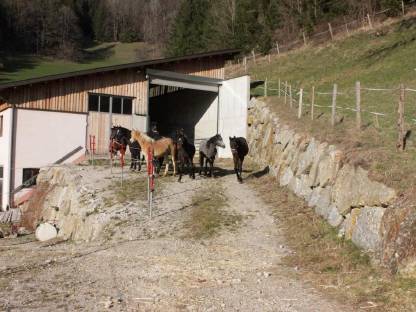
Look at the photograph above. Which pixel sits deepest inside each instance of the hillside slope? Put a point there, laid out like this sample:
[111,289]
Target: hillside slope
[382,58]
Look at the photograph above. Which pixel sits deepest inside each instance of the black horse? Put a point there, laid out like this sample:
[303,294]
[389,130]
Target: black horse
[207,153]
[120,138]
[239,149]
[185,154]
[135,150]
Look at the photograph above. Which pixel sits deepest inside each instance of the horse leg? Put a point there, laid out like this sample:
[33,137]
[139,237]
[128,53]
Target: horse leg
[236,166]
[174,162]
[191,169]
[139,163]
[167,166]
[240,165]
[206,167]
[180,170]
[241,168]
[211,166]
[201,162]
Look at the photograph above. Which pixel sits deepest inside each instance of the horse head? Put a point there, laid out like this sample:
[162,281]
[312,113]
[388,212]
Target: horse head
[218,141]
[233,144]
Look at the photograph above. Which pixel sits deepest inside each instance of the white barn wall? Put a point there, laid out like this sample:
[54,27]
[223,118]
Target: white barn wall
[206,127]
[234,99]
[5,146]
[43,137]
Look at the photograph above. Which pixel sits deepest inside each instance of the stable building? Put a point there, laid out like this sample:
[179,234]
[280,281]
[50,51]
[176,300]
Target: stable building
[49,120]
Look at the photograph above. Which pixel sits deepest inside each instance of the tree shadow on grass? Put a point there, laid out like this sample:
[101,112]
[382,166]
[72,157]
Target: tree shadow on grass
[95,55]
[13,64]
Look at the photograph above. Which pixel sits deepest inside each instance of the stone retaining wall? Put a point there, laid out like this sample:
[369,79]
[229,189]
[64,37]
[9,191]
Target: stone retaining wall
[362,210]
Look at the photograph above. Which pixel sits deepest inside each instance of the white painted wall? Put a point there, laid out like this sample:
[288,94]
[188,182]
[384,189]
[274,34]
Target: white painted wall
[44,137]
[234,99]
[206,127]
[5,155]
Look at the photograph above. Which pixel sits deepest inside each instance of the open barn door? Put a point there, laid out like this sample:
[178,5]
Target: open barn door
[232,115]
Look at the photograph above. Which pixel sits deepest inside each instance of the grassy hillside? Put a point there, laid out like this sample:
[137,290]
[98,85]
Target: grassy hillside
[20,67]
[382,58]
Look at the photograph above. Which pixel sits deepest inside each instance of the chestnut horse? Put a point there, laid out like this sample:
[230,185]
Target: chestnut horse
[160,148]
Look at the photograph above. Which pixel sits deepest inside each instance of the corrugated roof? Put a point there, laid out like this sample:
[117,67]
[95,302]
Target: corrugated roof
[228,52]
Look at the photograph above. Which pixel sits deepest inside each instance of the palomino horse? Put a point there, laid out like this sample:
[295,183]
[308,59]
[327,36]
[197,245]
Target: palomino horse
[160,148]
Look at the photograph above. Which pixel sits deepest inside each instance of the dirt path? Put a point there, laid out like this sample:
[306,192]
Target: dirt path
[156,265]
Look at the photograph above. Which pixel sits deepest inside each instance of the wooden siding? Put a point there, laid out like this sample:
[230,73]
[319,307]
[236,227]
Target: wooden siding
[71,94]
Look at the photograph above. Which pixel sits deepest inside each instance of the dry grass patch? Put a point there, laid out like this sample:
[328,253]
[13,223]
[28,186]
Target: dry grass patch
[332,264]
[133,189]
[208,215]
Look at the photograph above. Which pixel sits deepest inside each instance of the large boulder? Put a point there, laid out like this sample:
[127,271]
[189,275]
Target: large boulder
[367,233]
[321,199]
[334,218]
[399,239]
[350,221]
[329,166]
[286,177]
[353,188]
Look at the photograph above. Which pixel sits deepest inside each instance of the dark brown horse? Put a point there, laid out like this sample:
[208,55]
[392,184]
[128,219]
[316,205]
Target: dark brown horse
[185,154]
[239,149]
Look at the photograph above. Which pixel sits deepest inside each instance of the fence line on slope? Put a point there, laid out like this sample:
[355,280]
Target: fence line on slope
[295,97]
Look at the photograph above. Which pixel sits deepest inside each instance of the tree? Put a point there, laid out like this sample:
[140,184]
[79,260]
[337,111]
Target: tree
[190,28]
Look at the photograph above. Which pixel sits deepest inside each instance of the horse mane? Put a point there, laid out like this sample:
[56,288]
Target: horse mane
[212,140]
[144,136]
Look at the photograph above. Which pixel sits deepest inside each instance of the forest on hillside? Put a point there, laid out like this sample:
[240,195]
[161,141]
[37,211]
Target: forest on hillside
[62,28]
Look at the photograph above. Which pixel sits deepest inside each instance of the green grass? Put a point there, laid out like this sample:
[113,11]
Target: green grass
[23,66]
[382,58]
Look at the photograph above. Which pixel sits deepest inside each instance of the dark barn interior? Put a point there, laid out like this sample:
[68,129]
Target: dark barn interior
[181,108]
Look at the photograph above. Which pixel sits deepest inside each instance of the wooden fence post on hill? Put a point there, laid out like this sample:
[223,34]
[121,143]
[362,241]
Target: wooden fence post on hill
[254,56]
[403,10]
[245,63]
[285,92]
[300,103]
[290,96]
[330,31]
[265,88]
[370,24]
[401,140]
[279,87]
[304,38]
[358,103]
[313,103]
[334,104]
[277,48]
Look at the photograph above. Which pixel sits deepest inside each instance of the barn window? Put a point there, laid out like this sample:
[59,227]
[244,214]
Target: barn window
[117,105]
[93,103]
[127,106]
[101,103]
[29,176]
[104,104]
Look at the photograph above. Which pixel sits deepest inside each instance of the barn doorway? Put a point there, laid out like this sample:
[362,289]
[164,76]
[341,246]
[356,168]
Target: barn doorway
[183,101]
